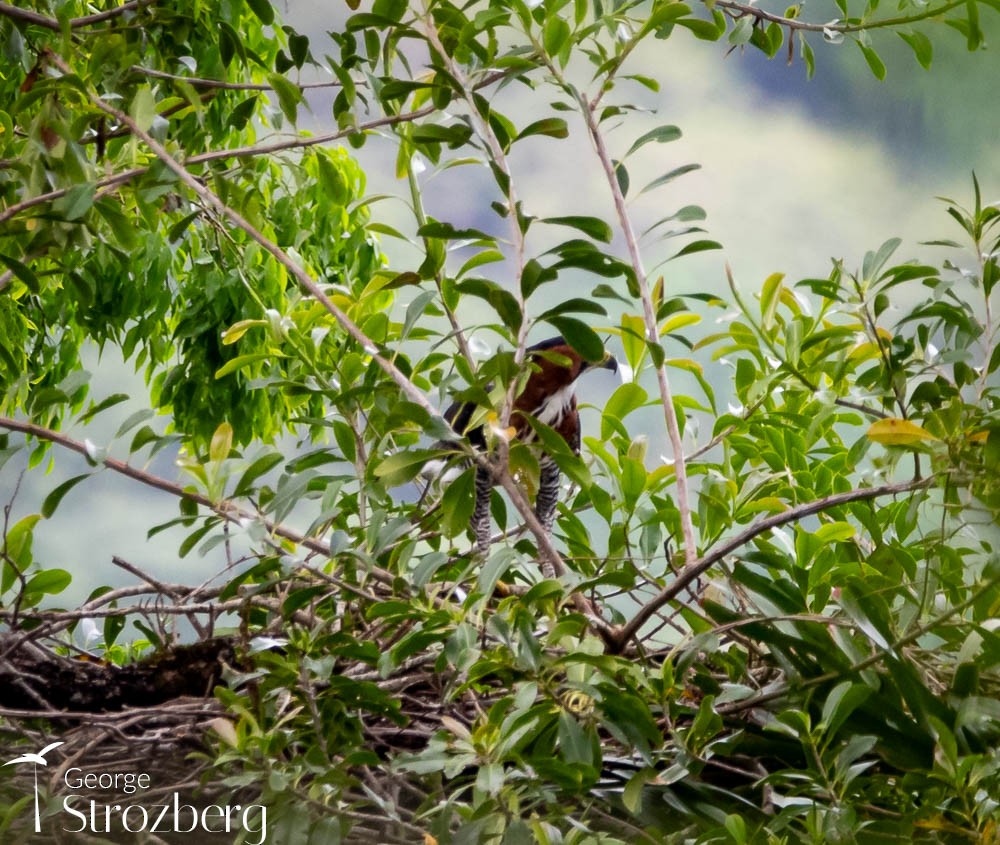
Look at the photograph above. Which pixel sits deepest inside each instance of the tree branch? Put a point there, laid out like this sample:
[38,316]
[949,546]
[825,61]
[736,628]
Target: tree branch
[694,570]
[738,10]
[652,331]
[30,17]
[225,508]
[202,82]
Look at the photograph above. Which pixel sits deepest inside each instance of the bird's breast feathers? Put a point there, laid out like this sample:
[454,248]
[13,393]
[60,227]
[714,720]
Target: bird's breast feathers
[555,406]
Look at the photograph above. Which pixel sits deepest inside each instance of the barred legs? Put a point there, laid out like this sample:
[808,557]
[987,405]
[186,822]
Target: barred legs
[481,513]
[545,503]
[548,494]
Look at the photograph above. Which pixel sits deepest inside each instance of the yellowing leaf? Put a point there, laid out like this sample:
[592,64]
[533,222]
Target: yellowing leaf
[769,298]
[679,321]
[864,351]
[237,330]
[899,432]
[834,532]
[226,731]
[769,504]
[979,436]
[222,442]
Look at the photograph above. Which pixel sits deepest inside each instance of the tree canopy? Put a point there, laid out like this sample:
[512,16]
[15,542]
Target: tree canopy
[782,629]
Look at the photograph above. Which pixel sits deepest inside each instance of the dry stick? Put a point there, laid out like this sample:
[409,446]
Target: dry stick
[694,570]
[226,509]
[652,331]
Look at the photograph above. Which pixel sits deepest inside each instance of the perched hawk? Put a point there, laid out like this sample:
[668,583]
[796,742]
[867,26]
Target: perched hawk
[548,396]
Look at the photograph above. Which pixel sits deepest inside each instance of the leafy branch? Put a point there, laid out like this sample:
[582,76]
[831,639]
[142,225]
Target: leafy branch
[692,571]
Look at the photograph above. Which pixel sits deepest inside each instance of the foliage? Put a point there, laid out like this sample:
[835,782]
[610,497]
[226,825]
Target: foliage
[784,632]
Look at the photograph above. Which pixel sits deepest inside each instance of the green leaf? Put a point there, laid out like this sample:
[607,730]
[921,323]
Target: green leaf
[143,108]
[404,466]
[621,176]
[534,276]
[974,35]
[921,46]
[445,231]
[555,35]
[331,179]
[19,538]
[807,55]
[259,467]
[835,532]
[769,297]
[593,226]
[222,443]
[21,271]
[76,202]
[553,127]
[577,305]
[742,31]
[56,496]
[289,95]
[431,133]
[263,10]
[574,744]
[503,301]
[626,399]
[580,336]
[48,581]
[696,246]
[133,420]
[241,361]
[661,135]
[843,700]
[490,778]
[669,177]
[458,503]
[392,10]
[705,30]
[103,405]
[874,62]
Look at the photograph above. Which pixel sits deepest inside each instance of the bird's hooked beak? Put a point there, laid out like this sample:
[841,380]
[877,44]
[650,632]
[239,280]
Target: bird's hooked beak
[609,363]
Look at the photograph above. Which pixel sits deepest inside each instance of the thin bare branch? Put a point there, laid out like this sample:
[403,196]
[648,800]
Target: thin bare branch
[203,82]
